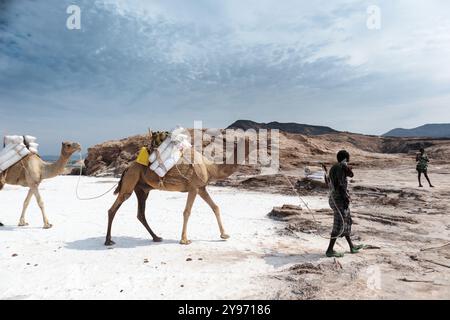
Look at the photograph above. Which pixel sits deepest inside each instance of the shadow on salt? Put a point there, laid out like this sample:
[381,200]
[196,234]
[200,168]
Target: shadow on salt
[280,259]
[96,243]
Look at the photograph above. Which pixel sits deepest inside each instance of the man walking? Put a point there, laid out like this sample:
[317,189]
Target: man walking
[340,203]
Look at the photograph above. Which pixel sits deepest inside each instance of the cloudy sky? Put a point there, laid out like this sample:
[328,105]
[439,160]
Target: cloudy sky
[136,64]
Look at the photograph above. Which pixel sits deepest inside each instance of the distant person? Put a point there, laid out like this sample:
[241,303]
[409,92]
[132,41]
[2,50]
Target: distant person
[422,167]
[340,203]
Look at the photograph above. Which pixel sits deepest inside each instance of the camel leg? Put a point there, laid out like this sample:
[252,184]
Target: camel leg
[142,196]
[24,208]
[47,225]
[121,198]
[187,212]
[215,208]
[128,183]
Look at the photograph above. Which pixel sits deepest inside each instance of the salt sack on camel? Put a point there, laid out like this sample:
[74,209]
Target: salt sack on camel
[15,150]
[166,156]
[13,140]
[30,142]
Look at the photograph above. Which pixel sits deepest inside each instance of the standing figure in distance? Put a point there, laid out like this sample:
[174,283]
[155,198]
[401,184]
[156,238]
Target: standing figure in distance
[422,167]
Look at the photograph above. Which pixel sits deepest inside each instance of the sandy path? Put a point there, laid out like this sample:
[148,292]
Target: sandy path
[70,261]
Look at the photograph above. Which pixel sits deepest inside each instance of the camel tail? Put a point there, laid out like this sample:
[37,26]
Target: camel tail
[119,187]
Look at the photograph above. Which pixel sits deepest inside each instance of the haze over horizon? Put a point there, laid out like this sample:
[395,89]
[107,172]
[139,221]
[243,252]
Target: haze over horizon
[137,64]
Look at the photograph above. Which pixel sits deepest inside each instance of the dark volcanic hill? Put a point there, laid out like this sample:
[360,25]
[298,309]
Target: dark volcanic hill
[438,130]
[290,127]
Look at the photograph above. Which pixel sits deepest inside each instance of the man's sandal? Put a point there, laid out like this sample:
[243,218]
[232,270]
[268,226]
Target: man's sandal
[356,249]
[334,254]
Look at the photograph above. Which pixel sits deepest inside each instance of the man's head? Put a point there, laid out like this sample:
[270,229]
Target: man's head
[343,155]
[422,150]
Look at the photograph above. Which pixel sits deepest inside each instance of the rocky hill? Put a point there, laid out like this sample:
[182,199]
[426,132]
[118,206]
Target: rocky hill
[437,130]
[296,151]
[112,157]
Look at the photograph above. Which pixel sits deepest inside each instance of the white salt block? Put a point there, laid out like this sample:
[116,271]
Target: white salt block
[30,139]
[161,148]
[164,156]
[33,145]
[13,139]
[160,172]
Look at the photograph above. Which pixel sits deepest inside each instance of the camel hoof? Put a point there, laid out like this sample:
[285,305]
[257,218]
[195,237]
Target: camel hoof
[109,243]
[22,224]
[225,236]
[47,226]
[185,242]
[157,239]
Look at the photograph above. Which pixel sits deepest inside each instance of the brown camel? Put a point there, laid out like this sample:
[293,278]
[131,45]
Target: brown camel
[185,177]
[31,170]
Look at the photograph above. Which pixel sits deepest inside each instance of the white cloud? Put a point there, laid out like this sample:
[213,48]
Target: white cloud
[221,60]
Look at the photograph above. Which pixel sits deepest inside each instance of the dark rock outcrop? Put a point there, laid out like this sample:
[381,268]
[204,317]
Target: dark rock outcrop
[290,127]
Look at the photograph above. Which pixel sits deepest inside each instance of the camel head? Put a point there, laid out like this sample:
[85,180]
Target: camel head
[69,148]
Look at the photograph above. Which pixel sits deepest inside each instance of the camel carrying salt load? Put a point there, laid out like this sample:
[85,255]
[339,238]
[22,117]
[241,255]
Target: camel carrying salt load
[15,149]
[167,152]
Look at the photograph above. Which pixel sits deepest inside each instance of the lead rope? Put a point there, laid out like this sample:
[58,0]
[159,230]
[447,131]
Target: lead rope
[78,184]
[312,213]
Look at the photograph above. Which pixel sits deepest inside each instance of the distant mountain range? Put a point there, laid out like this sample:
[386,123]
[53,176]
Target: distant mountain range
[429,130]
[290,127]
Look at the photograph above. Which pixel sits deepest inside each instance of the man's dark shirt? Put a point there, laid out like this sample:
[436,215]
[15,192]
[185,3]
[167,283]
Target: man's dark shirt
[338,178]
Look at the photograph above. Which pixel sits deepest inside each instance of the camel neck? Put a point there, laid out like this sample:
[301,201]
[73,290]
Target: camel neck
[222,171]
[54,169]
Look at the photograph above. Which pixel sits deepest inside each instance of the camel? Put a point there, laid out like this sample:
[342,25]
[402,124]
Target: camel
[31,170]
[185,177]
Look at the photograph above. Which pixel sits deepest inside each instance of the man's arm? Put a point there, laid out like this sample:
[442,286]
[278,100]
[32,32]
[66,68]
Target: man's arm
[343,184]
[347,169]
[350,172]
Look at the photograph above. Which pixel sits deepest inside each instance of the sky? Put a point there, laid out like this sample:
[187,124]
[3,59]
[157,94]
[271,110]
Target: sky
[139,64]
